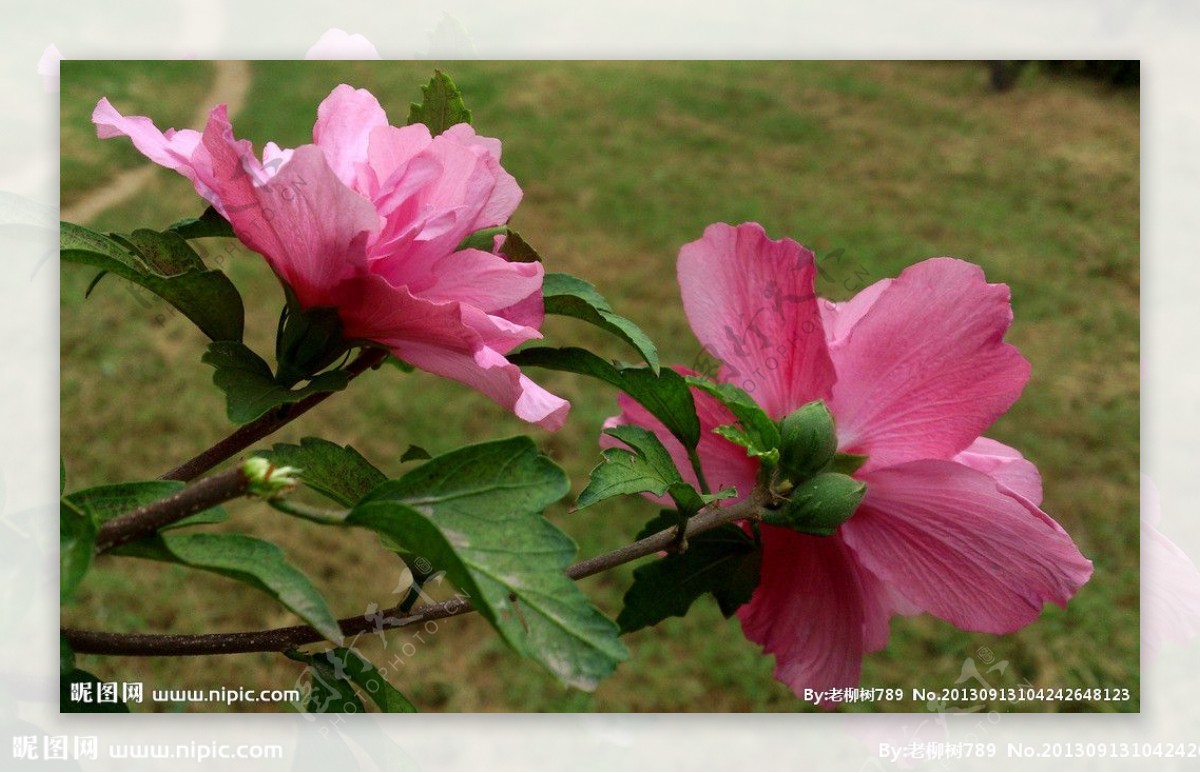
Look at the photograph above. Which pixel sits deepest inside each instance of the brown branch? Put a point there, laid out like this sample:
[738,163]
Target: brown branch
[190,500]
[266,424]
[280,639]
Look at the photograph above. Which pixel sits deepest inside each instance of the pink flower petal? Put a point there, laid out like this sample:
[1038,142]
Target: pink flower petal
[925,370]
[724,463]
[311,228]
[751,303]
[488,282]
[1006,466]
[345,120]
[172,149]
[950,540]
[809,611]
[840,318]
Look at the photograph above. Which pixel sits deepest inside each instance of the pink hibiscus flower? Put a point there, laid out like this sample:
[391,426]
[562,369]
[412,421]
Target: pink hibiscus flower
[368,219]
[913,370]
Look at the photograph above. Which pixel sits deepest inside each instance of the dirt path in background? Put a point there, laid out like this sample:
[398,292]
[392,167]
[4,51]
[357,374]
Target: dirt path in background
[231,85]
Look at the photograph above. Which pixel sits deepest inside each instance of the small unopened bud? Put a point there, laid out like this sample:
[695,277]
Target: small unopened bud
[808,442]
[820,505]
[267,480]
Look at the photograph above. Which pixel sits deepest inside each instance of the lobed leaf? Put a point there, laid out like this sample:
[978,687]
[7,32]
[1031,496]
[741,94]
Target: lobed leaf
[441,106]
[250,389]
[339,472]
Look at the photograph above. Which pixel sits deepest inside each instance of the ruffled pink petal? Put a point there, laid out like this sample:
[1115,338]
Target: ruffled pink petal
[725,464]
[1005,465]
[810,611]
[311,228]
[390,149]
[345,120]
[486,281]
[172,149]
[925,370]
[950,540]
[751,303]
[488,371]
[507,193]
[442,337]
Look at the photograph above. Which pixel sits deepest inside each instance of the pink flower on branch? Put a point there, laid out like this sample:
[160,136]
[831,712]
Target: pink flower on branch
[368,219]
[914,370]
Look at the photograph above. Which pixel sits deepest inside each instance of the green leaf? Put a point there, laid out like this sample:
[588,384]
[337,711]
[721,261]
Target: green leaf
[77,543]
[415,453]
[482,239]
[250,390]
[760,435]
[475,513]
[210,223]
[724,561]
[68,706]
[350,665]
[735,434]
[517,250]
[249,560]
[441,106]
[339,472]
[665,395]
[62,475]
[164,264]
[570,296]
[107,502]
[647,468]
[330,692]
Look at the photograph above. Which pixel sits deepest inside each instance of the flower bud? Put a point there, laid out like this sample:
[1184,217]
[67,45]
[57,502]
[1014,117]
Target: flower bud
[808,442]
[820,505]
[268,480]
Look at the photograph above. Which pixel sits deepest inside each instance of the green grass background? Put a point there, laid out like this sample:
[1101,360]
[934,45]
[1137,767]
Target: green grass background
[621,163]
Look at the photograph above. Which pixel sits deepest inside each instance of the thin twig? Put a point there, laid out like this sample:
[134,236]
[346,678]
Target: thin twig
[280,639]
[266,424]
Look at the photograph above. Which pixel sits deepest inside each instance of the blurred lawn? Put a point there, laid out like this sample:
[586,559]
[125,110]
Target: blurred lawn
[621,163]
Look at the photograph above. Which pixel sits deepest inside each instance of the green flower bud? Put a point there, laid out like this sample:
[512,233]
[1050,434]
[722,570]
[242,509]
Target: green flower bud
[808,442]
[267,480]
[819,505]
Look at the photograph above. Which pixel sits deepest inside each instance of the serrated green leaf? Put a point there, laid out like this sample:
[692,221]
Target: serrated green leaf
[249,560]
[761,432]
[330,692]
[164,264]
[339,472]
[476,514]
[735,434]
[648,468]
[665,395]
[210,223]
[441,106]
[77,543]
[350,665]
[250,389]
[107,502]
[571,296]
[724,561]
[68,706]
